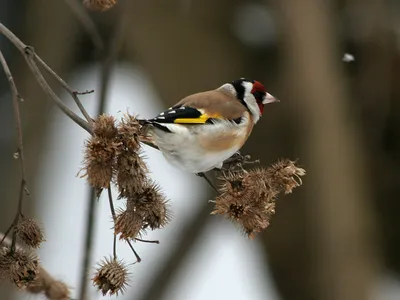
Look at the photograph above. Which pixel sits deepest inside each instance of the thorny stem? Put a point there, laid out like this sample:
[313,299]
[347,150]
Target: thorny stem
[112,209]
[18,126]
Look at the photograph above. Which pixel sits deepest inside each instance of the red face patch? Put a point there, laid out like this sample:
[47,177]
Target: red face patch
[257,87]
[258,92]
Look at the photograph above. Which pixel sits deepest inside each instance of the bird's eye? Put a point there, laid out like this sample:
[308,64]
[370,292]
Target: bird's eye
[258,95]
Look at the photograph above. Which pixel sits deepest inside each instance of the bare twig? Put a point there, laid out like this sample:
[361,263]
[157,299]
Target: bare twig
[112,209]
[203,175]
[30,57]
[147,241]
[138,259]
[20,151]
[89,228]
[74,94]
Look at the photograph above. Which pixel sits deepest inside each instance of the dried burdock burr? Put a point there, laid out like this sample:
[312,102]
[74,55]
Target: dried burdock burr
[104,127]
[99,5]
[152,205]
[29,232]
[131,170]
[145,209]
[51,288]
[245,200]
[111,276]
[248,197]
[100,152]
[129,223]
[284,175]
[19,267]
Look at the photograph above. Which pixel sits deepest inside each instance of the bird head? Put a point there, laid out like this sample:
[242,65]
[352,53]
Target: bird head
[253,95]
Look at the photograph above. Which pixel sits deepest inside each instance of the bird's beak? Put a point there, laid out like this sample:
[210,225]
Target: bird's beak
[269,99]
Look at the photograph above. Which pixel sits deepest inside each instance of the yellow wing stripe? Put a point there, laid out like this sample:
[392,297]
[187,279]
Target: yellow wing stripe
[190,121]
[200,120]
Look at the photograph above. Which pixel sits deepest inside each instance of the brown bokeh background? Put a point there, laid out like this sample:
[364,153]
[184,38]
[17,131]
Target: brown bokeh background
[340,231]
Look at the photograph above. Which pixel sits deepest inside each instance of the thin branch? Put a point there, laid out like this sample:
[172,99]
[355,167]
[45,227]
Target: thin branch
[30,55]
[112,209]
[74,94]
[203,175]
[18,126]
[6,234]
[138,259]
[147,241]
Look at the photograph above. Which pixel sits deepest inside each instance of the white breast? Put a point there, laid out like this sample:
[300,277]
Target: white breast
[200,148]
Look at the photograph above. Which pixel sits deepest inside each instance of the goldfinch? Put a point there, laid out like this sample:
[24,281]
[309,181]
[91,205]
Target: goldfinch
[203,130]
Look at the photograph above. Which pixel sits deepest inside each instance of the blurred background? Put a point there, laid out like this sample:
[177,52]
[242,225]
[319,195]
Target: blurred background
[336,237]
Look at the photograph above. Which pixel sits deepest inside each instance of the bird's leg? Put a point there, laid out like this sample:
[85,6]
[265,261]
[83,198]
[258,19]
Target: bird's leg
[203,175]
[237,160]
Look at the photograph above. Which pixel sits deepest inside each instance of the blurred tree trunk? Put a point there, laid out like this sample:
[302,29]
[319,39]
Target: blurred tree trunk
[330,254]
[51,29]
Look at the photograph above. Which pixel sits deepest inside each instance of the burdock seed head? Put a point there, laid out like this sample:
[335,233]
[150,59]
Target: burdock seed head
[104,127]
[99,161]
[146,209]
[18,267]
[29,232]
[52,289]
[250,214]
[153,206]
[129,223]
[284,175]
[99,5]
[111,276]
[129,129]
[232,183]
[247,199]
[131,170]
[131,173]
[101,151]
